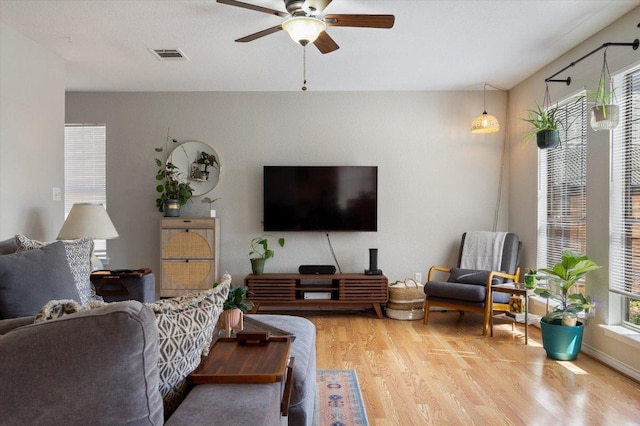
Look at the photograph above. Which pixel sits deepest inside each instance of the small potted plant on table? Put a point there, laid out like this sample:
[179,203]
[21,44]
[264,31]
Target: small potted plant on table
[234,308]
[259,252]
[531,278]
[561,332]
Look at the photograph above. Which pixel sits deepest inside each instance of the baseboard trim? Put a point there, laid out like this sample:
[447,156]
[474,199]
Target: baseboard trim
[611,362]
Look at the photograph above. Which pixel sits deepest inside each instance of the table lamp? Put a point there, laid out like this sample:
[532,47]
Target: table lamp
[88,220]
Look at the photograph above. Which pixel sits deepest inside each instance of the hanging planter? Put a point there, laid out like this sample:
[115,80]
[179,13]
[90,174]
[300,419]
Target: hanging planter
[605,115]
[547,139]
[545,124]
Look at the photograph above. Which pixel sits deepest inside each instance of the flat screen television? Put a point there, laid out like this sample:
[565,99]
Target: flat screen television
[321,198]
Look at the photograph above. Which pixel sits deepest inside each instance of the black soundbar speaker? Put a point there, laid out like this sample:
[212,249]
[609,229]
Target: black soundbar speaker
[317,269]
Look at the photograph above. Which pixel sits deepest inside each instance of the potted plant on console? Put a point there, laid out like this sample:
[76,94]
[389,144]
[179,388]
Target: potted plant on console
[173,192]
[259,252]
[561,331]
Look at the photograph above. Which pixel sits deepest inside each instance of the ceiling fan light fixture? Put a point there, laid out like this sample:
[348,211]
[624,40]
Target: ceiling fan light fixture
[485,123]
[304,29]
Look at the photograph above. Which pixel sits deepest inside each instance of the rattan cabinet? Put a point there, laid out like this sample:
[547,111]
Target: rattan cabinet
[189,254]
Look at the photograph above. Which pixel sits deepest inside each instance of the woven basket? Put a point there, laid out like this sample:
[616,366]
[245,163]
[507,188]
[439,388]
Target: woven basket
[414,314]
[406,303]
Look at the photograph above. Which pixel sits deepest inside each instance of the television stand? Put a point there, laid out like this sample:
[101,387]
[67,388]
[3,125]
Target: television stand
[317,290]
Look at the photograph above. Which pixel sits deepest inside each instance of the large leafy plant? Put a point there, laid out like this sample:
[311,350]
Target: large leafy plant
[567,273]
[171,186]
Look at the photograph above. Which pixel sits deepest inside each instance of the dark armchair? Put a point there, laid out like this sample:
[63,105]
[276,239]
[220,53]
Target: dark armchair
[485,259]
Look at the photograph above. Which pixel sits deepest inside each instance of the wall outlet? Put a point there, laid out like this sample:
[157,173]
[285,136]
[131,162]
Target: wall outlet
[417,277]
[57,194]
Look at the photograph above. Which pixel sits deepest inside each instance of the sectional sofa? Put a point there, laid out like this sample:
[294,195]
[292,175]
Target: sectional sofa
[126,362]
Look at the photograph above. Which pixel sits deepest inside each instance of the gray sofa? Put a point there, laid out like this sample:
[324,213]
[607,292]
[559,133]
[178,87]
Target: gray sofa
[100,366]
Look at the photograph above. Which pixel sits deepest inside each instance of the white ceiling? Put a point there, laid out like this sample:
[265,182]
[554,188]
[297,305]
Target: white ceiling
[434,45]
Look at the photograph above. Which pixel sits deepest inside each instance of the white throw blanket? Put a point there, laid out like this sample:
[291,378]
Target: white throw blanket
[483,250]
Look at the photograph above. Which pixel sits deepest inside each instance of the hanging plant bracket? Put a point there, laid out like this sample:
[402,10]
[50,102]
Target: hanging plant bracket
[551,79]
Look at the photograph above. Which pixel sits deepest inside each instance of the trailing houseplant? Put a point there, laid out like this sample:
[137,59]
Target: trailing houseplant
[259,252]
[545,126]
[173,191]
[561,332]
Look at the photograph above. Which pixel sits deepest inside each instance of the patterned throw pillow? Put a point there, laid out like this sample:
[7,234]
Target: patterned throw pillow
[79,259]
[185,330]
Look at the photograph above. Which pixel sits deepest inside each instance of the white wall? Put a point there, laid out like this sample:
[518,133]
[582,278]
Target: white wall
[436,179]
[523,179]
[31,137]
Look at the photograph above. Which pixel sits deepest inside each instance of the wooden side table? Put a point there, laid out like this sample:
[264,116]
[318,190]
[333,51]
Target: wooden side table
[232,361]
[517,289]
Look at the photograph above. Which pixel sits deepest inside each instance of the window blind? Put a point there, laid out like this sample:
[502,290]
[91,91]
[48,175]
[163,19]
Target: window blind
[624,205]
[562,186]
[85,169]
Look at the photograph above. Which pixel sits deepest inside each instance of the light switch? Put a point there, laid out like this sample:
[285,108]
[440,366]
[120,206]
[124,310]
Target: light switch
[57,194]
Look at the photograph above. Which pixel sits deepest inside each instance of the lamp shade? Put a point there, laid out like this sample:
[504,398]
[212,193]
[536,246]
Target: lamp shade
[304,29]
[485,123]
[87,220]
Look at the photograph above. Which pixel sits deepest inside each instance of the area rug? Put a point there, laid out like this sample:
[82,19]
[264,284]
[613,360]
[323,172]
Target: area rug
[338,399]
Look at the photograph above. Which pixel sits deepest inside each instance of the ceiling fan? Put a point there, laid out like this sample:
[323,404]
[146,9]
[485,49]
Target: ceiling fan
[305,26]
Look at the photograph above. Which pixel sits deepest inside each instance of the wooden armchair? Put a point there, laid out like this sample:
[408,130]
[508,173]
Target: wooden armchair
[468,287]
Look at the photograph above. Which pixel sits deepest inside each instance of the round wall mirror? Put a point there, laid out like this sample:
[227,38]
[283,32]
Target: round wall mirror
[199,164]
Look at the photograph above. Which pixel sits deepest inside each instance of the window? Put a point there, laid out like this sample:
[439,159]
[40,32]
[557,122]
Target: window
[562,185]
[624,214]
[84,170]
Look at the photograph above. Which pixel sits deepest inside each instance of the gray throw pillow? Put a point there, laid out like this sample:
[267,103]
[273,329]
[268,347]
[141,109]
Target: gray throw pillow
[79,258]
[28,280]
[8,246]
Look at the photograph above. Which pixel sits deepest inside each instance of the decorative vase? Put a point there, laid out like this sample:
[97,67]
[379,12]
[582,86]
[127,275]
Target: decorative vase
[561,342]
[547,139]
[605,117]
[257,265]
[171,208]
[530,281]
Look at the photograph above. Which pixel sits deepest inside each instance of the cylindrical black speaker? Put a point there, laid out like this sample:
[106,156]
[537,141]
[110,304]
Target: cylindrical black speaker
[373,259]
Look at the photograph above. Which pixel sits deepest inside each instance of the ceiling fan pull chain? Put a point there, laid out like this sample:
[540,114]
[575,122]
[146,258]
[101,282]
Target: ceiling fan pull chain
[304,68]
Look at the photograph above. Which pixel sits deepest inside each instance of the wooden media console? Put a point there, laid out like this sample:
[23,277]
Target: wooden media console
[317,290]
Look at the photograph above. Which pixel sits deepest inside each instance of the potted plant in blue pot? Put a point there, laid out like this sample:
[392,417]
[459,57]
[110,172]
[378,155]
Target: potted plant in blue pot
[561,330]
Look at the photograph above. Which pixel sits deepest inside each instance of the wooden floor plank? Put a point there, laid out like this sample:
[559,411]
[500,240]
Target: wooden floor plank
[448,373]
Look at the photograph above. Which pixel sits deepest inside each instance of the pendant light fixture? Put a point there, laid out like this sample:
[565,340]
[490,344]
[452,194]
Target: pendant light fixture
[485,123]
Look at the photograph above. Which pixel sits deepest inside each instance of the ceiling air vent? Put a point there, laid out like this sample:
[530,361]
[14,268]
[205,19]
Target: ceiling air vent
[169,54]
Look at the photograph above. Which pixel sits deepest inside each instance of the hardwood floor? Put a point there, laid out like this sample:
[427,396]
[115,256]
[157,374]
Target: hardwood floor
[448,373]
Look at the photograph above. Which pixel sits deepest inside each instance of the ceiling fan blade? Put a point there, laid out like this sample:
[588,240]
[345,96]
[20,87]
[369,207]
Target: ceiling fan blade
[315,6]
[254,7]
[325,43]
[367,21]
[259,34]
